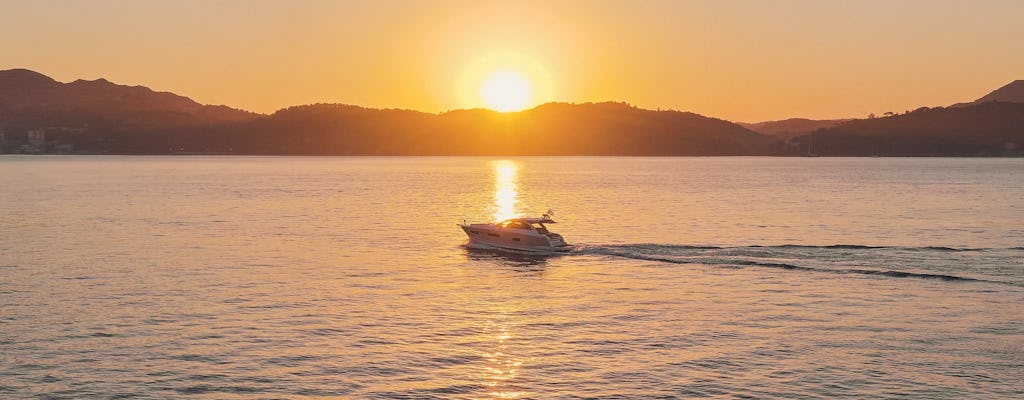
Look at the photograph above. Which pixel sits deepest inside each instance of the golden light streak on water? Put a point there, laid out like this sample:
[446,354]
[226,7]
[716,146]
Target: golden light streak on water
[506,174]
[502,366]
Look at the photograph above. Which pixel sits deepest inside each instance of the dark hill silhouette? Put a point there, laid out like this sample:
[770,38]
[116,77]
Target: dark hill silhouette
[26,81]
[985,129]
[620,129]
[1013,92]
[550,129]
[32,100]
[94,115]
[791,127]
[102,117]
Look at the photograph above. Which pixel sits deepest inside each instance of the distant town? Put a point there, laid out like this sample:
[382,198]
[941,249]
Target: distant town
[34,141]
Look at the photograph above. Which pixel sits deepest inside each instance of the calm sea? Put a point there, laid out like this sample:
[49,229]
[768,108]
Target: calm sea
[279,277]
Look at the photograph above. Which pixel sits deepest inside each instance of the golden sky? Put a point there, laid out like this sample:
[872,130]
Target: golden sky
[738,60]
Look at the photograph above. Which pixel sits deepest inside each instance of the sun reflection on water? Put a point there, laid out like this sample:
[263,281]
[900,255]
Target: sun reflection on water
[502,366]
[505,193]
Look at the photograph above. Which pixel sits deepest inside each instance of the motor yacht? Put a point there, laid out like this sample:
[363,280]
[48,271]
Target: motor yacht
[517,234]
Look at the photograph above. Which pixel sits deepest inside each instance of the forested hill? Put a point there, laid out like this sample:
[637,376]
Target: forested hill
[984,129]
[550,129]
[30,100]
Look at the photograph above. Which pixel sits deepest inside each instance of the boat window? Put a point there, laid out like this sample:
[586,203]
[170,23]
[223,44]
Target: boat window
[519,225]
[540,228]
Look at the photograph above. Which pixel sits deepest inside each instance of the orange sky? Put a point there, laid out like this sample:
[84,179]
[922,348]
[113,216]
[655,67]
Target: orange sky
[738,60]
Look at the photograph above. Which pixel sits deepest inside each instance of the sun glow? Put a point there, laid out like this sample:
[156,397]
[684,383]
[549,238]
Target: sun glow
[506,91]
[504,81]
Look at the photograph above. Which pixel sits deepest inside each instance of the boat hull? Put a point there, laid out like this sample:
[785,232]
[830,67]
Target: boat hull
[491,237]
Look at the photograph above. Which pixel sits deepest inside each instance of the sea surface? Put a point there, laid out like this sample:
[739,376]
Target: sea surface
[322,277]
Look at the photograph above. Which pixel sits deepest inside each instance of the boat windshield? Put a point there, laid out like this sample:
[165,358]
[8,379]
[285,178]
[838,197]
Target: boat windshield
[540,227]
[516,225]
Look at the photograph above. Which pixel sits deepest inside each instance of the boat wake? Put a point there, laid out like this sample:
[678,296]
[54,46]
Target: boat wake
[933,262]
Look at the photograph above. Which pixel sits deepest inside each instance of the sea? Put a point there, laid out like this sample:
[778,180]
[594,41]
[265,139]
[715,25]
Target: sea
[236,277]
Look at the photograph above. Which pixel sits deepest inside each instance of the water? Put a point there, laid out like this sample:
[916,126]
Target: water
[276,277]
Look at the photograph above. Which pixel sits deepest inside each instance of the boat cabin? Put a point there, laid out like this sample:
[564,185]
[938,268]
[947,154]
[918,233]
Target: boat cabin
[528,224]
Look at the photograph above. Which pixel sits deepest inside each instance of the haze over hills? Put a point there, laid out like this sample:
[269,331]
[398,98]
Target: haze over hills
[791,127]
[39,114]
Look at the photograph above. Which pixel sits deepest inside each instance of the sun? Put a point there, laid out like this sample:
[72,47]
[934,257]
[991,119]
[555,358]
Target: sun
[504,81]
[506,91]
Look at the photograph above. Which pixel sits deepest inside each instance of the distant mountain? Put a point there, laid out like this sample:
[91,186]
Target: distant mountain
[1013,92]
[69,112]
[792,127]
[984,129]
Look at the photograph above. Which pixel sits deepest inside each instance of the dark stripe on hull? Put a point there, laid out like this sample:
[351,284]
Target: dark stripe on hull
[521,250]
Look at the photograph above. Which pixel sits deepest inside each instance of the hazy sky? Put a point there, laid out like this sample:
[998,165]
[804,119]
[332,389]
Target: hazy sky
[738,60]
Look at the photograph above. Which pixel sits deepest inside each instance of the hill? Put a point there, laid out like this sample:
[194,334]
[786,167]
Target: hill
[985,129]
[39,114]
[791,127]
[87,114]
[550,129]
[1013,92]
[99,117]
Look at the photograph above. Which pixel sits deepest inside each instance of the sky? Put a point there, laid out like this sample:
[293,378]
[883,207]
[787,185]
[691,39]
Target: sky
[744,61]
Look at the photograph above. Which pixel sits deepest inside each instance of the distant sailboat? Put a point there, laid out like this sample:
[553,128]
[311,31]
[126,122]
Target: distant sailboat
[809,153]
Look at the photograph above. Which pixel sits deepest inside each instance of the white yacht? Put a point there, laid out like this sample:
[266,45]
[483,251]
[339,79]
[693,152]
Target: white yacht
[516,234]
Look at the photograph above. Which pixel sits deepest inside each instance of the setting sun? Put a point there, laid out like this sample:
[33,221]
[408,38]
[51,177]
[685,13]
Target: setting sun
[506,91]
[504,81]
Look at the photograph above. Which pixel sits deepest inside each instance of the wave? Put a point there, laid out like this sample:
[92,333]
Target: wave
[866,247]
[823,259]
[901,274]
[831,246]
[803,246]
